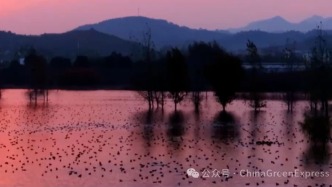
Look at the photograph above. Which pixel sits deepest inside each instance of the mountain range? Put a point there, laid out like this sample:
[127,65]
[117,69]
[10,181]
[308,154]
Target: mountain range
[69,44]
[163,33]
[279,24]
[269,32]
[124,35]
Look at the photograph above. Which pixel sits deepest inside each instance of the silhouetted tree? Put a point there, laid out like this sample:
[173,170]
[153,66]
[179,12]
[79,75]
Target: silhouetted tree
[116,61]
[80,78]
[82,74]
[255,96]
[200,54]
[160,82]
[225,75]
[177,76]
[148,89]
[60,63]
[115,69]
[58,66]
[253,56]
[37,67]
[320,78]
[289,58]
[81,62]
[15,74]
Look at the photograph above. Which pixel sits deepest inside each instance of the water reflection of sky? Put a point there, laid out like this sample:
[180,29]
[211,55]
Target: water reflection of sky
[109,138]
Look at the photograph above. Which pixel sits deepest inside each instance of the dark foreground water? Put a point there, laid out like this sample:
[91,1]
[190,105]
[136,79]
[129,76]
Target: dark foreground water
[108,138]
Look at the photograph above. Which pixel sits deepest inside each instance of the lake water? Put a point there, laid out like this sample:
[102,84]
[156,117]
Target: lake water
[108,138]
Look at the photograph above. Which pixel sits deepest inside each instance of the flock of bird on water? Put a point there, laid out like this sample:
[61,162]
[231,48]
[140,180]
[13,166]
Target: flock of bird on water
[116,143]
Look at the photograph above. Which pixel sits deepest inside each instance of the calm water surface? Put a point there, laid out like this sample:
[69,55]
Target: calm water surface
[109,138]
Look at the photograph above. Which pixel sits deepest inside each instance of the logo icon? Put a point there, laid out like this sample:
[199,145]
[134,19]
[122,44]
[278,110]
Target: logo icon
[206,173]
[192,173]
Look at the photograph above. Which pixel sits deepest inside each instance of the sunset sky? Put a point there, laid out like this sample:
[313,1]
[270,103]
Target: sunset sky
[54,16]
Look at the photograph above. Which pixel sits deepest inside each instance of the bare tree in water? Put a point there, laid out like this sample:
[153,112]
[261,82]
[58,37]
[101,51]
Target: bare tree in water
[320,69]
[160,83]
[177,76]
[289,57]
[200,54]
[152,80]
[256,98]
[38,80]
[225,75]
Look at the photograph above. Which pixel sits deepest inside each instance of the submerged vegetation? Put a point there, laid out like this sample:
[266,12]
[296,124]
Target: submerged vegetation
[178,74]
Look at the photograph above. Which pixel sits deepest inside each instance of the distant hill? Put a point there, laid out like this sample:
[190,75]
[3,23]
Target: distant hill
[124,34]
[266,33]
[261,39]
[94,43]
[303,41]
[163,33]
[279,24]
[89,42]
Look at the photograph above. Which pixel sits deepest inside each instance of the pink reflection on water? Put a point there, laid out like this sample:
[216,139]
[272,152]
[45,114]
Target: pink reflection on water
[108,138]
